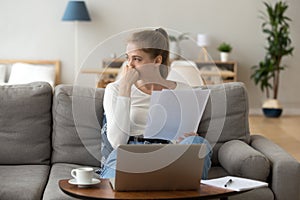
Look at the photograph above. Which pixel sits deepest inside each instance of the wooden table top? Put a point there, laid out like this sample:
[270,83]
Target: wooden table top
[103,190]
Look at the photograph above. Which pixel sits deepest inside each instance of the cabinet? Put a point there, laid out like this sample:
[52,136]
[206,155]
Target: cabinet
[106,75]
[110,68]
[217,71]
[113,62]
[212,72]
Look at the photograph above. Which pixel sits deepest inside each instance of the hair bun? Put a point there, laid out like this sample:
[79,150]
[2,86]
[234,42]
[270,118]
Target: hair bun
[163,32]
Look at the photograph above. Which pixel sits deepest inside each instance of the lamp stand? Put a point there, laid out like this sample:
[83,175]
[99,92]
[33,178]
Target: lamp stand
[76,11]
[76,50]
[203,57]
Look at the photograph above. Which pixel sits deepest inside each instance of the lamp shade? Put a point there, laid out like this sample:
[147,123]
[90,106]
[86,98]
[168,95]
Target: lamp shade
[76,11]
[202,40]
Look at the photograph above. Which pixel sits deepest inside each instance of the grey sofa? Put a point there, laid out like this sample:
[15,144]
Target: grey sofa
[44,135]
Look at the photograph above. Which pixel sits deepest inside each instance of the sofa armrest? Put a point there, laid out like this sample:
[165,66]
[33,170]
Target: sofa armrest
[240,159]
[285,169]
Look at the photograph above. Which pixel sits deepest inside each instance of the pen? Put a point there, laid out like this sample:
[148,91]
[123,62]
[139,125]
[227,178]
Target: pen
[228,182]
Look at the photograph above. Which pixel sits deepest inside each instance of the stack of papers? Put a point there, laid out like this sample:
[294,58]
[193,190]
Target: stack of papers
[175,112]
[235,183]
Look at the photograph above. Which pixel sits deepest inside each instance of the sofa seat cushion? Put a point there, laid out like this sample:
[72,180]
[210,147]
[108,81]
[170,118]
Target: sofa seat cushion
[59,171]
[216,172]
[23,182]
[25,123]
[240,159]
[264,193]
[260,193]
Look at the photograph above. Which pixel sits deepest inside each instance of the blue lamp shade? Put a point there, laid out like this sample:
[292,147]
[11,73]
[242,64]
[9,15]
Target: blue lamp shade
[76,11]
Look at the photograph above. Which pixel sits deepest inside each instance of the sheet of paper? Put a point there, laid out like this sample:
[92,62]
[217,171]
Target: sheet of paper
[236,183]
[175,112]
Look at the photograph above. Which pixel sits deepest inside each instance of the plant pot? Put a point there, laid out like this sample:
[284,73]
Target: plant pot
[272,108]
[272,112]
[224,56]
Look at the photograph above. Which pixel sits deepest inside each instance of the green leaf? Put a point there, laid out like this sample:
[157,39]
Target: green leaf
[276,28]
[225,47]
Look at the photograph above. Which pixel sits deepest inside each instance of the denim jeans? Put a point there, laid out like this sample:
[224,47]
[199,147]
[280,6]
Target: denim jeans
[109,168]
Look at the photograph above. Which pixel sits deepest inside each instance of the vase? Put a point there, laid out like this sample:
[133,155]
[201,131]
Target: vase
[224,56]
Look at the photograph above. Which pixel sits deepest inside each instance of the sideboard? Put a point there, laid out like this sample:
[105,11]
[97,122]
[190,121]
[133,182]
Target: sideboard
[210,71]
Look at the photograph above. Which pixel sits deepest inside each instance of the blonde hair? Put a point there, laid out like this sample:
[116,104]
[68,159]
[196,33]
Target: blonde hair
[155,43]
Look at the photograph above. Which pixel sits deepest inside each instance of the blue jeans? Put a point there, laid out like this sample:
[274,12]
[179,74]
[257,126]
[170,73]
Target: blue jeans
[109,168]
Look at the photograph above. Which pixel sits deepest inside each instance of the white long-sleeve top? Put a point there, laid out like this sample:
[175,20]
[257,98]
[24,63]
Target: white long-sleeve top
[126,116]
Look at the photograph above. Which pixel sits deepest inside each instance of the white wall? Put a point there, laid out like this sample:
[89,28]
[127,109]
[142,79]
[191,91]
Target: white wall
[33,29]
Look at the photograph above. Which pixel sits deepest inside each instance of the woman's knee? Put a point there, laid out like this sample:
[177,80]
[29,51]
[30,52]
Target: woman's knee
[197,140]
[194,140]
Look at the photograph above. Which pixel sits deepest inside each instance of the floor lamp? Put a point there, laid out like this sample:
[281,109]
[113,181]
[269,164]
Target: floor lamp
[76,11]
[203,41]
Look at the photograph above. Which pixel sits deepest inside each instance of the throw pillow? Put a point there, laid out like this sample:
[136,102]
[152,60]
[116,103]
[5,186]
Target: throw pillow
[2,73]
[240,159]
[26,73]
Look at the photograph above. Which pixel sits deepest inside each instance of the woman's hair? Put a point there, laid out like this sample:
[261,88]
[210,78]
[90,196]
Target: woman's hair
[155,43]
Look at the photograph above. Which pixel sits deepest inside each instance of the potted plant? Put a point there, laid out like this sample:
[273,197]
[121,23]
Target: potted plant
[224,49]
[175,50]
[267,73]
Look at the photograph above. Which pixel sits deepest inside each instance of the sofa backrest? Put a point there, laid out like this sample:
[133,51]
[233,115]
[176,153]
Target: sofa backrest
[226,115]
[225,118]
[25,123]
[77,117]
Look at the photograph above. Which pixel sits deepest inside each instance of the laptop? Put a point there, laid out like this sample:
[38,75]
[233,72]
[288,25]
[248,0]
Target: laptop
[151,167]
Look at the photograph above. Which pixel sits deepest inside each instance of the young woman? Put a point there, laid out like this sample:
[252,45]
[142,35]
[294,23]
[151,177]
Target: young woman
[126,101]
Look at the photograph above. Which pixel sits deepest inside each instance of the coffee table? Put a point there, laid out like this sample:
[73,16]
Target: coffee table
[103,190]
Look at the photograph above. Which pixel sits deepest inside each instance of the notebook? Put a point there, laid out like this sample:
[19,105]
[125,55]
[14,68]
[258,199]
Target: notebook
[159,167]
[235,183]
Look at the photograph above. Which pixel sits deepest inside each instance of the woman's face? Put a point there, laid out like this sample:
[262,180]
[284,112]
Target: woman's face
[139,59]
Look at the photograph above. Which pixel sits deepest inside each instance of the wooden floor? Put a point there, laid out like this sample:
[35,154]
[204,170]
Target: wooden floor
[284,131]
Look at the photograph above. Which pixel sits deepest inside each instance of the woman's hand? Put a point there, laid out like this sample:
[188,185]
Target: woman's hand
[129,77]
[185,135]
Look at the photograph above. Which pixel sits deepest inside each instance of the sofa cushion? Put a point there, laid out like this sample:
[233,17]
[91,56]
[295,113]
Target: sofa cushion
[27,73]
[25,123]
[77,118]
[23,182]
[225,117]
[216,172]
[240,159]
[214,158]
[264,193]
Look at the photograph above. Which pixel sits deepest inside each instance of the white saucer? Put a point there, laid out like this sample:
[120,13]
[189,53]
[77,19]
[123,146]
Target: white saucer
[74,182]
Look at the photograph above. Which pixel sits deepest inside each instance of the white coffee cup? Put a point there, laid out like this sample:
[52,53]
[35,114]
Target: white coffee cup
[83,175]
